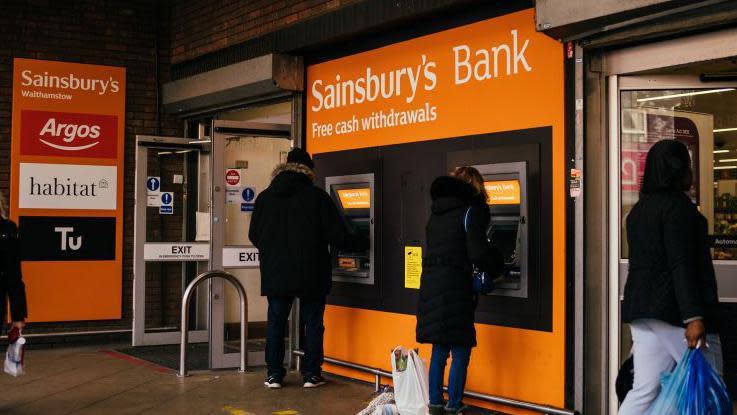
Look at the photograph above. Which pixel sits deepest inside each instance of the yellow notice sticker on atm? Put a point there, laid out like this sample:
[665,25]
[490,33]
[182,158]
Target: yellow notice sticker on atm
[412,266]
[503,192]
[355,198]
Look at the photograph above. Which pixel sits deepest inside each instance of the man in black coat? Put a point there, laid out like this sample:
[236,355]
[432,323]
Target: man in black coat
[293,224]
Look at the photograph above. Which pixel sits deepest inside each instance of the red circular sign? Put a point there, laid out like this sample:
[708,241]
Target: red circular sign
[232,177]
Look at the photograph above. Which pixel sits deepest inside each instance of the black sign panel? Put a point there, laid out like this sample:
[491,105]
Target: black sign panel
[46,238]
[723,241]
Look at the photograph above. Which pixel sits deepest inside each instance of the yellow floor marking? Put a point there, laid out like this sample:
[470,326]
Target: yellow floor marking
[287,412]
[235,411]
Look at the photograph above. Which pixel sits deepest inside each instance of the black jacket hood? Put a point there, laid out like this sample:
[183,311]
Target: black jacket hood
[290,178]
[449,193]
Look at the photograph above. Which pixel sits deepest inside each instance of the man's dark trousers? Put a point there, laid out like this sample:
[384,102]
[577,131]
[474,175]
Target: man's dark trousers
[311,315]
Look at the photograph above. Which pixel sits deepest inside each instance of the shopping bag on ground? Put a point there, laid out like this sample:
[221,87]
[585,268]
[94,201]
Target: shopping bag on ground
[14,354]
[692,388]
[409,374]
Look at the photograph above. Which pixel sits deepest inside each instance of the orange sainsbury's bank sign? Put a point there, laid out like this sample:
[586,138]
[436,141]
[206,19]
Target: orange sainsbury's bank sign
[494,75]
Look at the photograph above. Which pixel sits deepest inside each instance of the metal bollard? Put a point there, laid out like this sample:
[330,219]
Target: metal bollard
[185,321]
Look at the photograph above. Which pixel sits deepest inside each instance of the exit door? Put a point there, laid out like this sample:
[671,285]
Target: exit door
[244,156]
[170,237]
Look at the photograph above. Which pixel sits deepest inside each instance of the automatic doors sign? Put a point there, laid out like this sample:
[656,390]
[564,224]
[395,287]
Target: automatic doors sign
[46,238]
[176,251]
[248,194]
[66,157]
[46,133]
[233,195]
[446,84]
[67,186]
[167,203]
[236,257]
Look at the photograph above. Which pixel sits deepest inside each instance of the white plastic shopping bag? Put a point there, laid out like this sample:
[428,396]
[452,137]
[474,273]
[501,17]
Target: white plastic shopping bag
[14,355]
[411,391]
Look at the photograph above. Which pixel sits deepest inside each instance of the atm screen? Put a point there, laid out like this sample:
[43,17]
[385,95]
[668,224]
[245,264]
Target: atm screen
[503,192]
[354,200]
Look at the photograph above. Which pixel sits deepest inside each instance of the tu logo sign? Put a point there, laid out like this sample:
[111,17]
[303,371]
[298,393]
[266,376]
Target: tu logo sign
[69,241]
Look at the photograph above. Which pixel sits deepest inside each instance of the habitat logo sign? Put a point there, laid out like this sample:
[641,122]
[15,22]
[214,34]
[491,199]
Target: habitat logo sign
[67,186]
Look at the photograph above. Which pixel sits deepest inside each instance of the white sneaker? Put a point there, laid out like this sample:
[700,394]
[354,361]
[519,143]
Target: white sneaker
[272,382]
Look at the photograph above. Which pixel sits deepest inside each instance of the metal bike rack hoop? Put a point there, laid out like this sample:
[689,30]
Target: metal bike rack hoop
[185,321]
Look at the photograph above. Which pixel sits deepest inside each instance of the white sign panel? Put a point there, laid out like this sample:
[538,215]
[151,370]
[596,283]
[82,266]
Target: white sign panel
[153,200]
[67,186]
[233,195]
[176,251]
[240,257]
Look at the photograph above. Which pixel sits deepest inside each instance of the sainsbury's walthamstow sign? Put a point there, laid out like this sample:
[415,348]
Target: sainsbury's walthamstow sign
[67,187]
[494,75]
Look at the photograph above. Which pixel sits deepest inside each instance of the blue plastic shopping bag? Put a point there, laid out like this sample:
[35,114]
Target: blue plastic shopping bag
[692,388]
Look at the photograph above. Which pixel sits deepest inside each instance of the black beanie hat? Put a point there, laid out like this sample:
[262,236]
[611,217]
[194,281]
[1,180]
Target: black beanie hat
[299,156]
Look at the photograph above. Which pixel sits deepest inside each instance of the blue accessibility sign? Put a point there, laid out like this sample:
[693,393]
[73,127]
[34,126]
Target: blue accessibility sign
[247,207]
[167,203]
[153,184]
[248,194]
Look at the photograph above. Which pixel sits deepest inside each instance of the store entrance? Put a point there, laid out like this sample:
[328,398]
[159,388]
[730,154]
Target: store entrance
[677,105]
[194,200]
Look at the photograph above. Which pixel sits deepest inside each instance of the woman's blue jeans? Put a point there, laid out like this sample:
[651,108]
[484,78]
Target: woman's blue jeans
[457,377]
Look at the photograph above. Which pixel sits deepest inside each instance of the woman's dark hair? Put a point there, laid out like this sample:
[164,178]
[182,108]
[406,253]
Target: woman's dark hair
[667,168]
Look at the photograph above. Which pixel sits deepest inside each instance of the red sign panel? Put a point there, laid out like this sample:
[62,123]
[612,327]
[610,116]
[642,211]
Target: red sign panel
[45,133]
[232,177]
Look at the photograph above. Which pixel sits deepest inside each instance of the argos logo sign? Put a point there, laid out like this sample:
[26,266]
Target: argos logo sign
[46,133]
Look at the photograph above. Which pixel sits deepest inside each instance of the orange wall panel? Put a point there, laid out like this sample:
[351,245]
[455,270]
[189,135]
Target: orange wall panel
[522,364]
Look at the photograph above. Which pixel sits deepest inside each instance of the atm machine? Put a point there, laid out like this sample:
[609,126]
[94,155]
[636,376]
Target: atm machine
[506,187]
[354,197]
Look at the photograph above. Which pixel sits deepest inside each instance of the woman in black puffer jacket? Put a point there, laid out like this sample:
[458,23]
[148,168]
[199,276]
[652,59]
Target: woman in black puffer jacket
[12,289]
[445,315]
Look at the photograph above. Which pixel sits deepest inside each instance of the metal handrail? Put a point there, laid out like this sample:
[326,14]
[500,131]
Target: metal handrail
[185,321]
[378,374]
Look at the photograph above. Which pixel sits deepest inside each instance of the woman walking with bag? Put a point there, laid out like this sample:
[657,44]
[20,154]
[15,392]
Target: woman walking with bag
[671,290]
[445,314]
[12,288]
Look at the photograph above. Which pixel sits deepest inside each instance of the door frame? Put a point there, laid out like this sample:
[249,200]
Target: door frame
[221,130]
[616,264]
[139,335]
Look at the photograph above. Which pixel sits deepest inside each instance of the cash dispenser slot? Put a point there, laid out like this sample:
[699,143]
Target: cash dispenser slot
[506,187]
[354,197]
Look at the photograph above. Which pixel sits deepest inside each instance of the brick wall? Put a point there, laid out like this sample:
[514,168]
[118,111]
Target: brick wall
[199,27]
[131,33]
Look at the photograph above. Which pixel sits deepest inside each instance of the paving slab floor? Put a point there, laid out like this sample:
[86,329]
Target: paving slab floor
[97,380]
[91,380]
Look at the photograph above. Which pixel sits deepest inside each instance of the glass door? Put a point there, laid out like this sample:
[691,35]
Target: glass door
[170,238]
[245,155]
[644,110]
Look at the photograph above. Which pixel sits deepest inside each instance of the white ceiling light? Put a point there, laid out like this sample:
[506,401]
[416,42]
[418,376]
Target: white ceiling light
[724,130]
[721,151]
[686,94]
[727,160]
[725,167]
